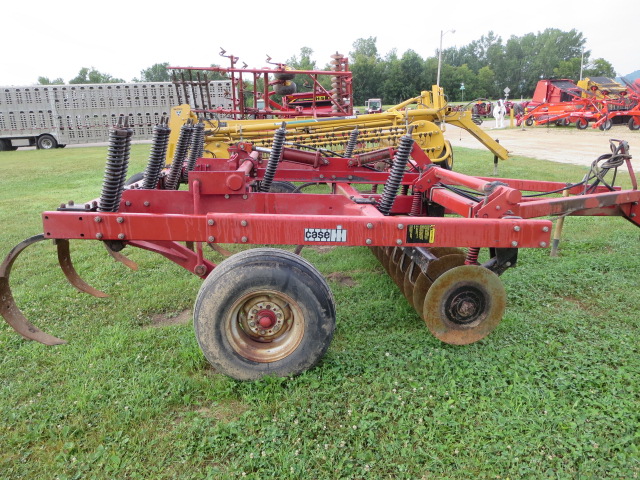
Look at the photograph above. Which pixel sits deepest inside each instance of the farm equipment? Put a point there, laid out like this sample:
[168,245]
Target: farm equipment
[268,311]
[373,105]
[311,122]
[599,101]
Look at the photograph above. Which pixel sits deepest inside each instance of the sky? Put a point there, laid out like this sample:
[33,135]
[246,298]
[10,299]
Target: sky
[59,38]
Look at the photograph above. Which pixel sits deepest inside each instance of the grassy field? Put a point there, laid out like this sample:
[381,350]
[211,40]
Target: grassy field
[552,393]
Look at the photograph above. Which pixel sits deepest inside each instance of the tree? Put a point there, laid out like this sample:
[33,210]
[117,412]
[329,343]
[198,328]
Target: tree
[92,75]
[367,70]
[568,69]
[486,84]
[46,81]
[599,68]
[156,73]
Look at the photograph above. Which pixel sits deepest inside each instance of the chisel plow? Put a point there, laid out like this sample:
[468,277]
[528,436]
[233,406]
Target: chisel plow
[268,311]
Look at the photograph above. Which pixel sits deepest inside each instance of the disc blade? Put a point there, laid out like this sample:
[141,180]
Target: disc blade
[464,304]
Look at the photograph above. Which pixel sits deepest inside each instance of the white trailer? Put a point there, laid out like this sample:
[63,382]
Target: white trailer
[50,116]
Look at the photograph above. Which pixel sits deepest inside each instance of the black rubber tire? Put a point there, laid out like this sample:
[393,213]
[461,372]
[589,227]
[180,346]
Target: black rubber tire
[582,123]
[447,163]
[279,186]
[633,125]
[285,88]
[268,280]
[5,146]
[134,178]
[528,122]
[46,142]
[606,125]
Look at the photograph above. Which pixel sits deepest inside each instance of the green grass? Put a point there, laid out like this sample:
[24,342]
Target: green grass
[551,393]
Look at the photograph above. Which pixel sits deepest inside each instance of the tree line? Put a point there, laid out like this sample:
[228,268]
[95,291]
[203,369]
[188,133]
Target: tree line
[481,69]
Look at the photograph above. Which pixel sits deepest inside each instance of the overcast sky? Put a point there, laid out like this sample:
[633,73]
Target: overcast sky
[57,38]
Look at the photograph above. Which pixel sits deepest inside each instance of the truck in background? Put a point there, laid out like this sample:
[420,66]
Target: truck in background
[51,116]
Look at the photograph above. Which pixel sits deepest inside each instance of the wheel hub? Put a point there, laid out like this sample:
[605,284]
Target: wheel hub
[264,320]
[464,306]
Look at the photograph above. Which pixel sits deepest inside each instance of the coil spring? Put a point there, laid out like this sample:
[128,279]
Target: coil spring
[396,174]
[416,204]
[274,158]
[197,146]
[351,144]
[472,256]
[159,144]
[182,147]
[116,167]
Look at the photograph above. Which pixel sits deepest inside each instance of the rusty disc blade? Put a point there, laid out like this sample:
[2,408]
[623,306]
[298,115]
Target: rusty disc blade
[420,289]
[464,304]
[434,270]
[442,264]
[401,267]
[409,281]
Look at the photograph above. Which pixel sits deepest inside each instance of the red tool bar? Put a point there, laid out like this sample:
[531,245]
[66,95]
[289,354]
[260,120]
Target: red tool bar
[287,229]
[569,205]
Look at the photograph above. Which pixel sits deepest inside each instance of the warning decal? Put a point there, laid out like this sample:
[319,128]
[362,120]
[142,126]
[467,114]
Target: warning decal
[421,233]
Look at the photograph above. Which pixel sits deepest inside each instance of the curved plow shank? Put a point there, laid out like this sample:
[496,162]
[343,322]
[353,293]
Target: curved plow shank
[64,258]
[119,257]
[8,308]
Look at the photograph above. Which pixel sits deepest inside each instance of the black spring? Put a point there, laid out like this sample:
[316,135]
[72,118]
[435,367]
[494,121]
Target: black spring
[115,170]
[396,174]
[197,146]
[159,144]
[182,148]
[351,144]
[274,158]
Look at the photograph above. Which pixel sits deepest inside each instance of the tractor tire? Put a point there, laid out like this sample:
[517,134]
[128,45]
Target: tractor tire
[46,142]
[633,125]
[264,312]
[606,125]
[278,186]
[528,122]
[582,123]
[286,88]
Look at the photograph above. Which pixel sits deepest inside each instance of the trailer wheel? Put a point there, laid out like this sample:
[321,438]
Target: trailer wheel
[46,142]
[464,304]
[582,123]
[633,125]
[528,122]
[134,178]
[264,312]
[5,146]
[606,125]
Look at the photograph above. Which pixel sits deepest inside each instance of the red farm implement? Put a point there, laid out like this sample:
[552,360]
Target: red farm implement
[562,102]
[268,311]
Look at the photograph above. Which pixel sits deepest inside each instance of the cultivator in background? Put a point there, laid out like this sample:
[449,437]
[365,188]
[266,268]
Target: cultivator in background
[312,121]
[268,311]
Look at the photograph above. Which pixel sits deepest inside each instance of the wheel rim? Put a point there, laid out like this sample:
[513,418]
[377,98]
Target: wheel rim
[265,326]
